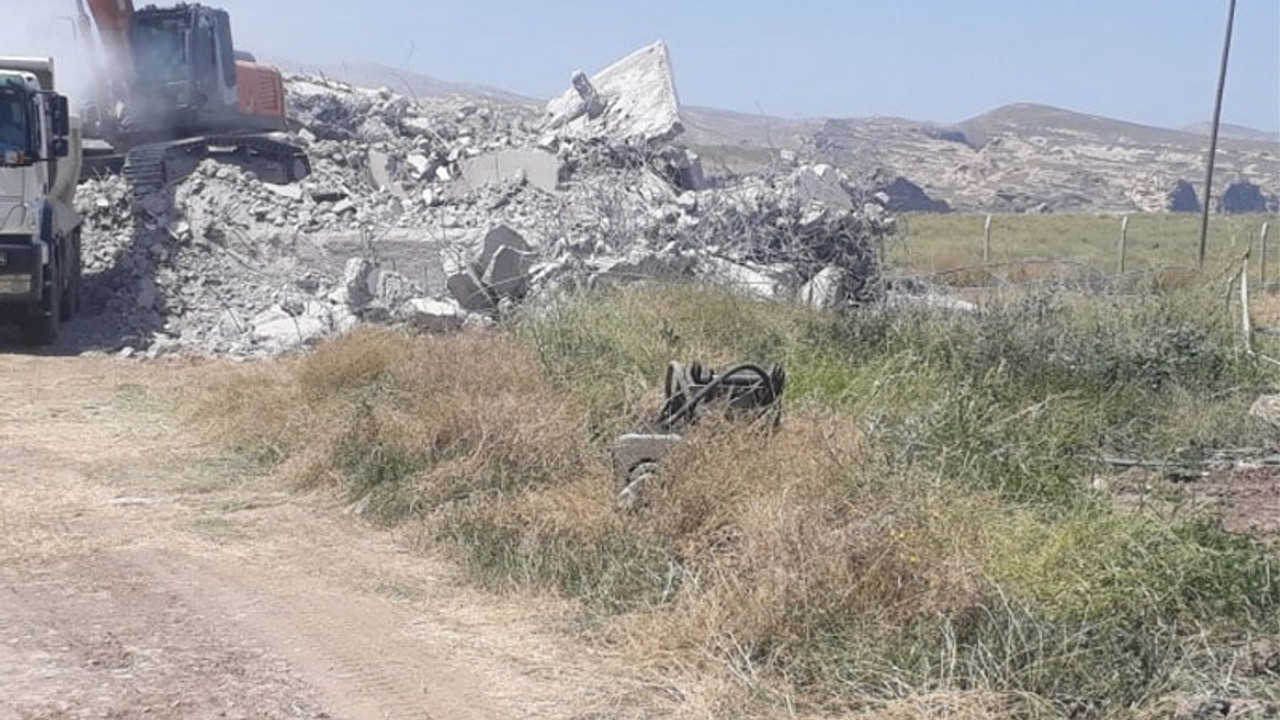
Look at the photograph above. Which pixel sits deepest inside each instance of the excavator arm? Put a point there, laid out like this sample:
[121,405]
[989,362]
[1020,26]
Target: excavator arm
[114,20]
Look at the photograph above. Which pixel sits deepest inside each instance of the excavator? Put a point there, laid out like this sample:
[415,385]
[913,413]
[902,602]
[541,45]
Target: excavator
[172,84]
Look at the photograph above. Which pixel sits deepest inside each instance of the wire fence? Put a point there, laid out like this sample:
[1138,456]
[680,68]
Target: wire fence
[1093,253]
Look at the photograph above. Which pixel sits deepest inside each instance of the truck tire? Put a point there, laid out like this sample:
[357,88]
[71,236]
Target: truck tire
[70,304]
[41,327]
[77,273]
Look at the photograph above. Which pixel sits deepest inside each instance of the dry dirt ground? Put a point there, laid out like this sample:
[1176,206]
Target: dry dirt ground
[142,575]
[1245,498]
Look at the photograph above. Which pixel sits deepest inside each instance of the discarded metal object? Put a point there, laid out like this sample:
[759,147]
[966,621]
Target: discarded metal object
[746,392]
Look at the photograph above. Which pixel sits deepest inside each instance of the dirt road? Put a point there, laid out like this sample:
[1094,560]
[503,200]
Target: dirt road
[144,575]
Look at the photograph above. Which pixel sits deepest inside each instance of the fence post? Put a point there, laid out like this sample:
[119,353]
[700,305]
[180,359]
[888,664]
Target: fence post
[1262,260]
[1124,241]
[986,242]
[1245,321]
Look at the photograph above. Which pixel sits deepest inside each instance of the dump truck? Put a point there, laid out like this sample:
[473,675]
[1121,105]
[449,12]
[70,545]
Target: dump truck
[40,156]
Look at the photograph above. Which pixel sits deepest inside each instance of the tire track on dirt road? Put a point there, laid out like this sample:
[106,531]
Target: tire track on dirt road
[143,575]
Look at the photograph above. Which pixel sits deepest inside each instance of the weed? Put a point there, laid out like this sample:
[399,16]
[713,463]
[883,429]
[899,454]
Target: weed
[919,528]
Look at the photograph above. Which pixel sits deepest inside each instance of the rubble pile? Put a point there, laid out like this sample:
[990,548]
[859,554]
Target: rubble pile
[490,205]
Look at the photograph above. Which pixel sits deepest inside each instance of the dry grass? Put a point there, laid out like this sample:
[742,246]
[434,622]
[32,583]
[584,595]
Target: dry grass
[918,540]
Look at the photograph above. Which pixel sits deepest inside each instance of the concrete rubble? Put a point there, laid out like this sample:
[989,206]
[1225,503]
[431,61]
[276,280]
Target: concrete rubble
[444,214]
[633,99]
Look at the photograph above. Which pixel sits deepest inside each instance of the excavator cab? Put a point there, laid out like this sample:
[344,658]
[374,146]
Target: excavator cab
[188,78]
[173,85]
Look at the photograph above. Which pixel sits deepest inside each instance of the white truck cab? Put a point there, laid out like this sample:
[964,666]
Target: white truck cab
[39,228]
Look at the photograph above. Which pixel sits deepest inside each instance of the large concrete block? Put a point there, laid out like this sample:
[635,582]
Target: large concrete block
[382,172]
[541,169]
[278,329]
[469,292]
[826,289]
[355,279]
[508,273]
[821,184]
[496,239]
[435,316]
[639,93]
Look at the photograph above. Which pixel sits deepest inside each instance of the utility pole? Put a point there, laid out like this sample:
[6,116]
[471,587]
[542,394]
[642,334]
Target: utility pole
[1213,136]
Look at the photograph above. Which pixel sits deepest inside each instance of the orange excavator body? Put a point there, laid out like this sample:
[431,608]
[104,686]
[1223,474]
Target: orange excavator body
[261,90]
[177,71]
[173,83]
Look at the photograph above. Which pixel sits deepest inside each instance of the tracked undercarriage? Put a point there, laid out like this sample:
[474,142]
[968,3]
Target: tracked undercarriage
[149,167]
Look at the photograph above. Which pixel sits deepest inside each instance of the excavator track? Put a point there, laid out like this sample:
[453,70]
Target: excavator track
[292,159]
[144,168]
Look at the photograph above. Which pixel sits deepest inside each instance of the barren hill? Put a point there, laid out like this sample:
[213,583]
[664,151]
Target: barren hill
[1024,157]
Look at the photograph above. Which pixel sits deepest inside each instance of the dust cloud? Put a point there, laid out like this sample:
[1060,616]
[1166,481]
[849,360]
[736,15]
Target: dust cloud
[50,29]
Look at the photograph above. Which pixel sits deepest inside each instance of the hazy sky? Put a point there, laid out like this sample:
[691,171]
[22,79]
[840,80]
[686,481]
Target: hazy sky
[1151,61]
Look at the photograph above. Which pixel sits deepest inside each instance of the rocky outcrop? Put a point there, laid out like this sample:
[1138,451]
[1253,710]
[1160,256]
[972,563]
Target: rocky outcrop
[1183,199]
[1242,197]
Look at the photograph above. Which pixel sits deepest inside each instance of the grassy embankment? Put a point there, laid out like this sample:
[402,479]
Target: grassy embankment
[919,539]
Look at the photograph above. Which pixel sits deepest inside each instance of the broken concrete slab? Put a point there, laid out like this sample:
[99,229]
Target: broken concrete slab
[641,265]
[289,192]
[541,169]
[741,277]
[382,171]
[821,184]
[639,94]
[508,273]
[391,289]
[470,293]
[682,168]
[825,290]
[355,280]
[497,238]
[420,163]
[434,316]
[276,327]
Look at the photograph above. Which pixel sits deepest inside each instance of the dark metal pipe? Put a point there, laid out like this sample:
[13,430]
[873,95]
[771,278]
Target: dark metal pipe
[1213,135]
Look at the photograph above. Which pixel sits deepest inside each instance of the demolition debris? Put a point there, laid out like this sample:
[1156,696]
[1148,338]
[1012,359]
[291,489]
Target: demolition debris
[439,215]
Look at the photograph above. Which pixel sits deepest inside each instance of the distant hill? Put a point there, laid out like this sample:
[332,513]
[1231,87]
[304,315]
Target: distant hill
[1238,132]
[1035,157]
[1043,118]
[405,82]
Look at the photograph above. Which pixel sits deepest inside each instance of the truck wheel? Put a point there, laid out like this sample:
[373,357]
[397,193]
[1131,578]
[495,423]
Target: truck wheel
[41,328]
[71,293]
[67,299]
